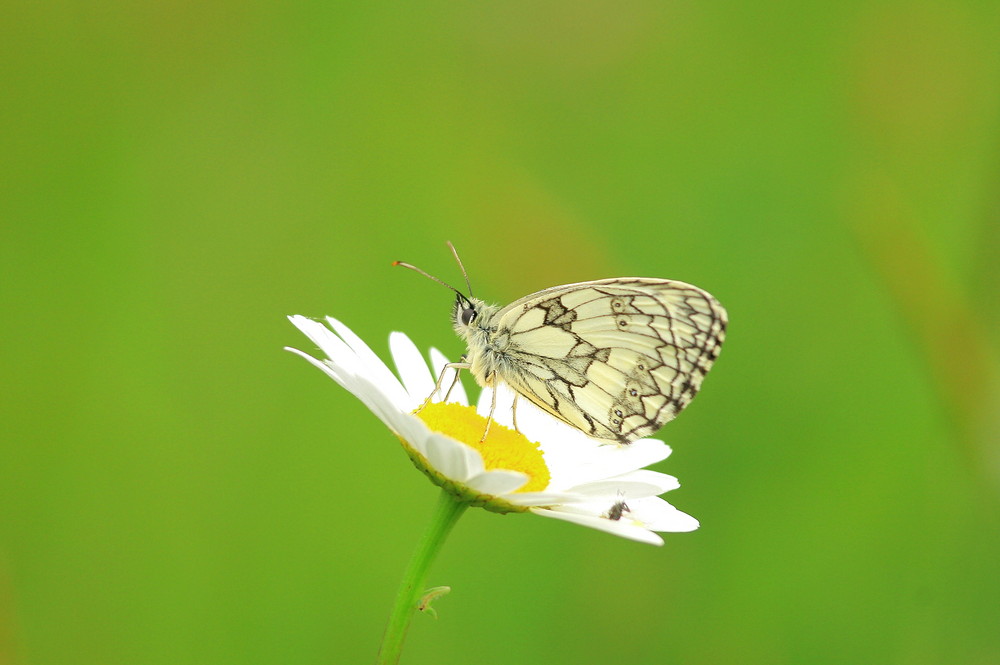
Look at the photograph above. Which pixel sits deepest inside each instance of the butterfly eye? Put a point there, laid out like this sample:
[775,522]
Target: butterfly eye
[468,316]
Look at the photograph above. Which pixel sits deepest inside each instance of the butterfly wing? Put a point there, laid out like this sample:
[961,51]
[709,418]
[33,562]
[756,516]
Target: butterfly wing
[616,358]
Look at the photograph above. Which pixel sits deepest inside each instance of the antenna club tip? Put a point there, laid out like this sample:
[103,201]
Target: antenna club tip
[396,263]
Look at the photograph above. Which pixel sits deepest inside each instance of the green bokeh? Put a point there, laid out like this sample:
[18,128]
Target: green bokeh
[175,178]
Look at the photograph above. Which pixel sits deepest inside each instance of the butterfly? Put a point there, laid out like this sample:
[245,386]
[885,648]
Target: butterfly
[615,358]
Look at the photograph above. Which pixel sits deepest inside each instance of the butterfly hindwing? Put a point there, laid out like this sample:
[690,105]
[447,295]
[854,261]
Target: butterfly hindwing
[616,358]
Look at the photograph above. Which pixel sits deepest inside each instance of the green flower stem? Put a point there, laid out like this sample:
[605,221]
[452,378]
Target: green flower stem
[446,514]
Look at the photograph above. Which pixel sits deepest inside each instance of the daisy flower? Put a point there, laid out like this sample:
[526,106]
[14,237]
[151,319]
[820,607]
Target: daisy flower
[544,466]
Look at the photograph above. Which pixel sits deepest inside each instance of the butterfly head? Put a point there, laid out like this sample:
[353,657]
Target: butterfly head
[472,317]
[465,311]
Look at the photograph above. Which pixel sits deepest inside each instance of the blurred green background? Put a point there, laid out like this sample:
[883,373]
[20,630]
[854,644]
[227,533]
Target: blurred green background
[175,178]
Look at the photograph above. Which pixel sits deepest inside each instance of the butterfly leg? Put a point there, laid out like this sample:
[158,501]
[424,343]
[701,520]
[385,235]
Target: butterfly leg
[513,412]
[451,387]
[489,418]
[440,381]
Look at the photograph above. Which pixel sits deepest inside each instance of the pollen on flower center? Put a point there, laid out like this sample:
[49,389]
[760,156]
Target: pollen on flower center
[503,448]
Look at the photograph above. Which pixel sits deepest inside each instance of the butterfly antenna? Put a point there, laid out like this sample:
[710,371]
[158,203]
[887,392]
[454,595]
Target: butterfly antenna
[428,276]
[461,265]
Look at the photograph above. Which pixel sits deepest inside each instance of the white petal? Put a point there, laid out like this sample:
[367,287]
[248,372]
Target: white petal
[612,460]
[438,361]
[541,498]
[411,367]
[497,482]
[453,459]
[618,528]
[659,515]
[320,364]
[539,425]
[328,343]
[412,430]
[363,387]
[636,484]
[376,400]
[375,369]
[347,363]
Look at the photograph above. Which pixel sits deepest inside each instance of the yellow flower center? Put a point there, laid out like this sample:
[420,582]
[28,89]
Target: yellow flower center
[503,448]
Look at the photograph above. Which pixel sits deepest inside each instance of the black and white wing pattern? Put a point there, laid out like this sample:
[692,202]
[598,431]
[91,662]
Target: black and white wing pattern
[616,358]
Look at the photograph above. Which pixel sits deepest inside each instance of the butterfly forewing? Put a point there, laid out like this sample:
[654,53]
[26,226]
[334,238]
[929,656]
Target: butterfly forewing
[615,358]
